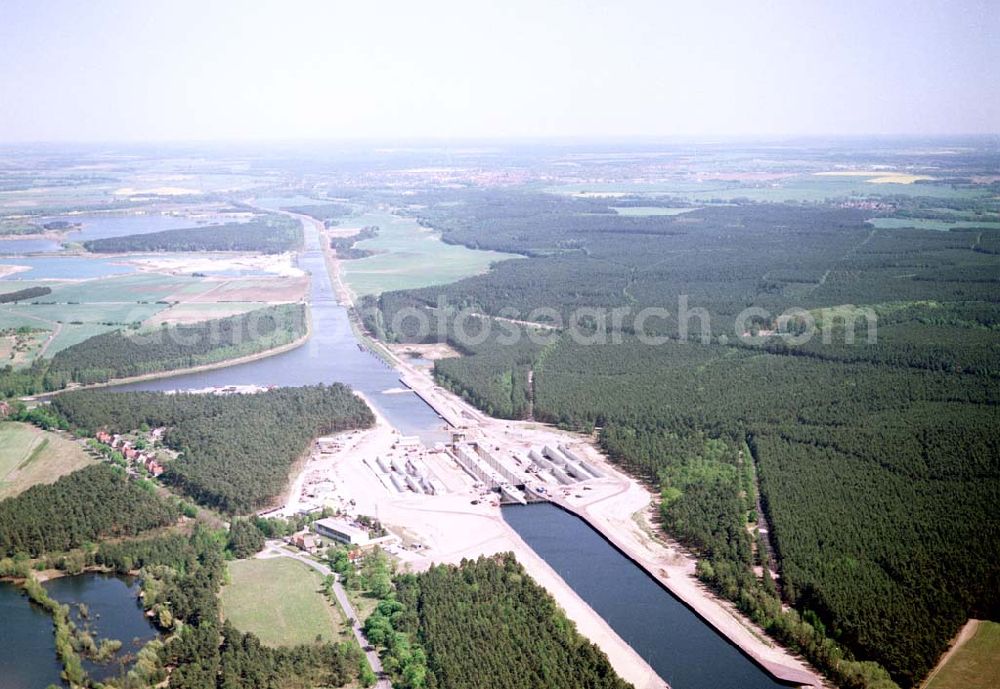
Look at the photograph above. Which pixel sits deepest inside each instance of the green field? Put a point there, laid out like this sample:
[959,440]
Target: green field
[644,211]
[91,307]
[74,322]
[410,256]
[280,601]
[71,334]
[20,349]
[974,665]
[109,312]
[134,287]
[29,456]
[795,188]
[926,224]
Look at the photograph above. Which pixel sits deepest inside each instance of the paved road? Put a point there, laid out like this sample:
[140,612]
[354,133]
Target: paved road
[275,548]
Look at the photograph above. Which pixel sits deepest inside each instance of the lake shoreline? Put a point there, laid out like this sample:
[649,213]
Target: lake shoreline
[184,371]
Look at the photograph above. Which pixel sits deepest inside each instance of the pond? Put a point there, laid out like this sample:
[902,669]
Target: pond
[66,267]
[113,612]
[28,246]
[27,650]
[104,226]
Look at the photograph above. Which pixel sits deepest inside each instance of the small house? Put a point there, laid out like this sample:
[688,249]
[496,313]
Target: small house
[306,541]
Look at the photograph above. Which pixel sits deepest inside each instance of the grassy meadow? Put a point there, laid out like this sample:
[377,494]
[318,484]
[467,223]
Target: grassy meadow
[280,601]
[410,256]
[29,456]
[974,665]
[928,224]
[75,311]
[799,187]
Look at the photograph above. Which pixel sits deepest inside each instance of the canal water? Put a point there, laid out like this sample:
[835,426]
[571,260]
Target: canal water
[27,648]
[330,355]
[677,644]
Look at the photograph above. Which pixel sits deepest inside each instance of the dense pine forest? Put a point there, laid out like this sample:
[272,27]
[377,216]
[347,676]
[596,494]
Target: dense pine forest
[119,354]
[86,506]
[235,450]
[270,234]
[484,624]
[877,461]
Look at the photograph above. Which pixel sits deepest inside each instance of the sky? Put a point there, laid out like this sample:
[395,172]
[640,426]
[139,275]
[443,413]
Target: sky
[179,70]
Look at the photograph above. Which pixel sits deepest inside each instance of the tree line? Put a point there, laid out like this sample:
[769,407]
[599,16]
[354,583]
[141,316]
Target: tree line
[23,294]
[269,234]
[120,354]
[327,213]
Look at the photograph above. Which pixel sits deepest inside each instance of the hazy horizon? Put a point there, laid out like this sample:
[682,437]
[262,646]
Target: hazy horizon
[121,72]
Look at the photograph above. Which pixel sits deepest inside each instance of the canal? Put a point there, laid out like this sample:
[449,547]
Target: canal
[330,355]
[677,644]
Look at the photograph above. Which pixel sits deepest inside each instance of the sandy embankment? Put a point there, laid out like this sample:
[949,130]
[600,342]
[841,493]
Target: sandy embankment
[345,295]
[878,176]
[6,270]
[282,264]
[450,528]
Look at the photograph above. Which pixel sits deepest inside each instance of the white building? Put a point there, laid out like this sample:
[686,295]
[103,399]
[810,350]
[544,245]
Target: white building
[341,531]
